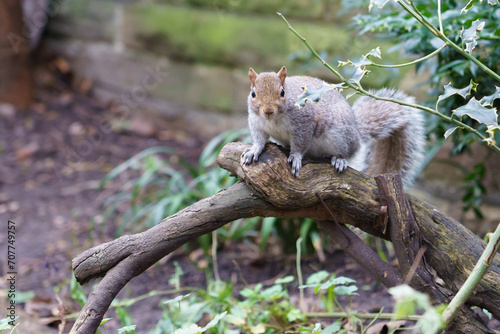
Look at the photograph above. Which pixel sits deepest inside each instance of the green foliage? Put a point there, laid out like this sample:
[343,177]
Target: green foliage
[409,301]
[76,291]
[330,287]
[473,27]
[4,325]
[161,188]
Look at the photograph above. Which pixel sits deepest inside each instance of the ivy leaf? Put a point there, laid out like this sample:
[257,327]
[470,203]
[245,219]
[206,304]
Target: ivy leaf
[463,92]
[469,36]
[488,100]
[475,110]
[315,94]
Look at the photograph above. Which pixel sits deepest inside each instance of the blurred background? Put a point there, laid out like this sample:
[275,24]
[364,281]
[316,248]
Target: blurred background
[102,103]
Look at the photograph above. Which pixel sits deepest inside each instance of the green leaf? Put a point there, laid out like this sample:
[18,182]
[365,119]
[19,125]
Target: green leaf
[449,132]
[449,90]
[284,280]
[343,290]
[176,299]
[315,94]
[333,328]
[469,36]
[265,231]
[475,110]
[358,75]
[378,3]
[488,100]
[214,321]
[431,322]
[375,52]
[468,6]
[127,329]
[343,280]
[408,300]
[318,277]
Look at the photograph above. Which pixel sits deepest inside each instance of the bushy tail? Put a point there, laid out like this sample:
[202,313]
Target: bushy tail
[394,133]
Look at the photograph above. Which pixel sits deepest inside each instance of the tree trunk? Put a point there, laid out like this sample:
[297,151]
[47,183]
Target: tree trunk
[270,190]
[16,85]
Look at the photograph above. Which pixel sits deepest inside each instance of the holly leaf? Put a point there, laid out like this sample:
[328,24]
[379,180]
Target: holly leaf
[488,100]
[378,3]
[469,36]
[314,95]
[468,6]
[358,75]
[449,90]
[475,110]
[375,52]
[449,132]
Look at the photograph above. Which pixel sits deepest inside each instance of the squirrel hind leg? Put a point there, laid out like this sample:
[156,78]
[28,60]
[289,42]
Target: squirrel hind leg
[339,164]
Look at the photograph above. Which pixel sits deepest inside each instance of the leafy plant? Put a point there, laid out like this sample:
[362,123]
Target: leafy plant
[480,111]
[473,28]
[409,301]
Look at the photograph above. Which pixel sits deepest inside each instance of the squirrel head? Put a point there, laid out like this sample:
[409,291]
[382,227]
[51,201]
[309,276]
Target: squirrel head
[267,96]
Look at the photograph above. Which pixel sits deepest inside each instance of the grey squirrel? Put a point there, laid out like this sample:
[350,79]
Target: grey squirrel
[375,136]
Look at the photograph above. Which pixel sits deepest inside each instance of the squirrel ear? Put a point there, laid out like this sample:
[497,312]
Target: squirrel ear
[252,75]
[282,75]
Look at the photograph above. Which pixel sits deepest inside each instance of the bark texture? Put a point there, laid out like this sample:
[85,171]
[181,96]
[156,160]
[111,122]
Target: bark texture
[270,190]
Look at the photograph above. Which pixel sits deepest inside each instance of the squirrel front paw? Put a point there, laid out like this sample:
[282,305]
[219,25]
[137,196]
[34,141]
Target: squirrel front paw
[251,154]
[296,160]
[339,164]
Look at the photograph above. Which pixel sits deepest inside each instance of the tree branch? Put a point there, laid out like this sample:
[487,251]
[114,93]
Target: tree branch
[271,190]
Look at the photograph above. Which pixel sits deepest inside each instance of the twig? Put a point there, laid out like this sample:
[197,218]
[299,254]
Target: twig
[385,316]
[440,35]
[474,278]
[430,55]
[299,273]
[360,90]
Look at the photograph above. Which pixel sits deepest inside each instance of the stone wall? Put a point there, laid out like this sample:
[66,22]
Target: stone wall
[199,50]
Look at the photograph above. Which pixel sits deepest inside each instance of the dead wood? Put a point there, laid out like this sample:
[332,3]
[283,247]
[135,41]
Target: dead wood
[271,190]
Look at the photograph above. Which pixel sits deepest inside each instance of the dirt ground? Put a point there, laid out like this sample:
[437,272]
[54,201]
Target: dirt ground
[53,156]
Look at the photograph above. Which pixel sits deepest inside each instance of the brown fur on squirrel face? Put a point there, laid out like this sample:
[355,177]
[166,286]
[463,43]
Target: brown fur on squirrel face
[374,136]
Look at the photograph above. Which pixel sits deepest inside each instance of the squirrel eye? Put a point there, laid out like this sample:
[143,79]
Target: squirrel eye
[282,92]
[253,93]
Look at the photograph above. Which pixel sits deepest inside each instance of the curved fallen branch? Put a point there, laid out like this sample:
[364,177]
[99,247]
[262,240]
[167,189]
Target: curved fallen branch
[271,190]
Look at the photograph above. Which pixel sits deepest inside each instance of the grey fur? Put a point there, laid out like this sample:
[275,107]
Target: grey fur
[369,131]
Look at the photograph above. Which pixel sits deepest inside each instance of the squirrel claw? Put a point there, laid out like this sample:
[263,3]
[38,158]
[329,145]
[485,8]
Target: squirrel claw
[339,164]
[296,162]
[250,155]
